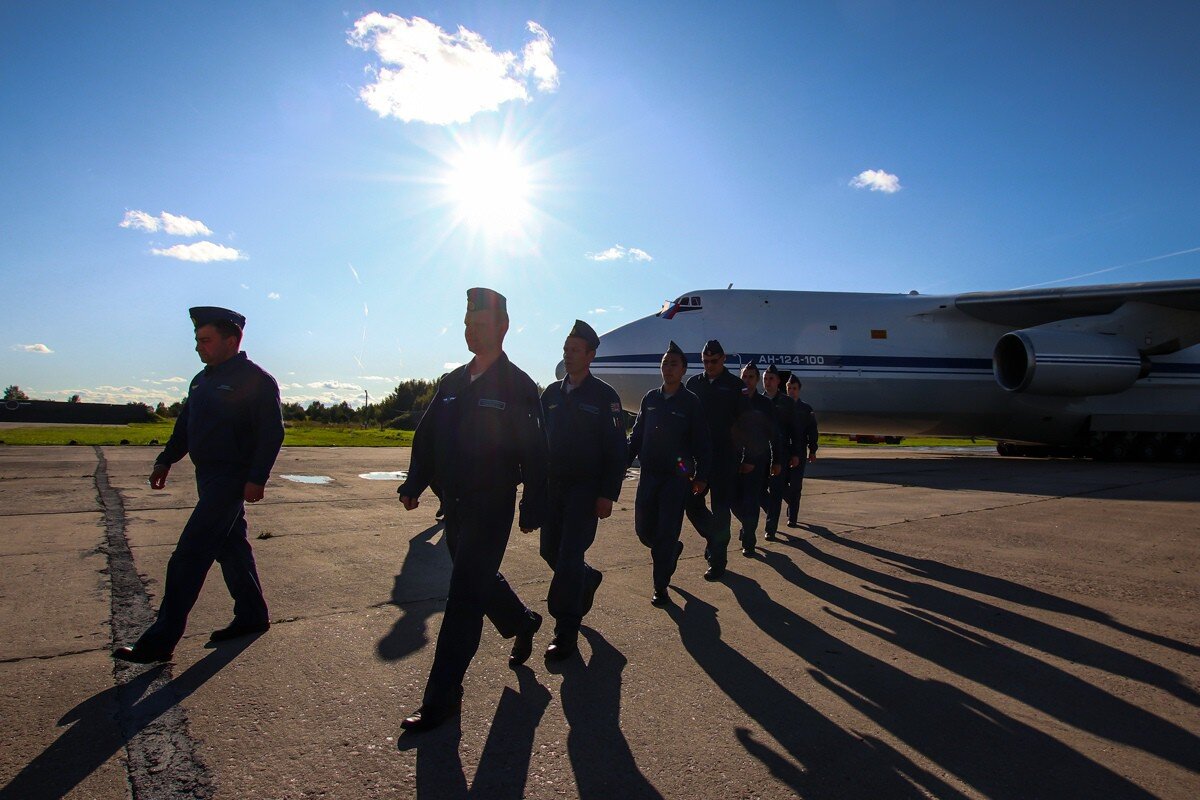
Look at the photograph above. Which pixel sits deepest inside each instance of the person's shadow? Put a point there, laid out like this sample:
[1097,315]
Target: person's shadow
[504,763]
[591,698]
[103,724]
[423,567]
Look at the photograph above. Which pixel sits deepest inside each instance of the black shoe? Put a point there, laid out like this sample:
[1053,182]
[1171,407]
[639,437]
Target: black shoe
[748,552]
[660,598]
[714,572]
[522,647]
[770,536]
[428,717]
[141,654]
[590,597]
[236,629]
[561,648]
[793,524]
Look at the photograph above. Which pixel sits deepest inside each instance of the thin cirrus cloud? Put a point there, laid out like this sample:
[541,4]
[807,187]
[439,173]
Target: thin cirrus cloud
[173,224]
[429,75]
[38,348]
[201,252]
[877,181]
[619,253]
[272,295]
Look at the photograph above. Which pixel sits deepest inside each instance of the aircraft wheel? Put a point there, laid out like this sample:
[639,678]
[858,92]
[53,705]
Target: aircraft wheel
[1006,449]
[1147,448]
[1176,448]
[1115,448]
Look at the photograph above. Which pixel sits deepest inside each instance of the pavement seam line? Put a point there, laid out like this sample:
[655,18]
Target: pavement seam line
[161,756]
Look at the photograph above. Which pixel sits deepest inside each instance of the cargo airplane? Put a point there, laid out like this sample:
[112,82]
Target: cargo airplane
[1106,371]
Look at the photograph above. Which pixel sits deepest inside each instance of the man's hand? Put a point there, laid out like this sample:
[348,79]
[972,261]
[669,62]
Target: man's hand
[812,457]
[698,487]
[746,467]
[409,503]
[253,492]
[794,462]
[776,469]
[158,476]
[603,508]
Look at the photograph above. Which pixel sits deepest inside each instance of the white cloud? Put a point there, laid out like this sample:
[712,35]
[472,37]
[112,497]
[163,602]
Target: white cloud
[273,295]
[173,224]
[334,385]
[244,286]
[395,379]
[442,332]
[442,78]
[182,226]
[328,397]
[449,365]
[116,394]
[598,311]
[33,348]
[877,181]
[354,272]
[201,252]
[620,253]
[141,221]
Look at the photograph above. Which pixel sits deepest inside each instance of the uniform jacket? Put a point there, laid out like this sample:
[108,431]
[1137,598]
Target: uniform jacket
[785,418]
[670,435]
[756,432]
[231,418]
[806,428]
[483,437]
[586,432]
[723,400]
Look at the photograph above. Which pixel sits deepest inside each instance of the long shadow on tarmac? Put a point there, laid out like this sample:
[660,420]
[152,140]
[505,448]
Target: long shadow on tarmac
[104,723]
[958,731]
[1039,477]
[409,633]
[504,763]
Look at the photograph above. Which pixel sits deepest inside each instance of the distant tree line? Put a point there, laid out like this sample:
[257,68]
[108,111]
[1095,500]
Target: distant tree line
[402,408]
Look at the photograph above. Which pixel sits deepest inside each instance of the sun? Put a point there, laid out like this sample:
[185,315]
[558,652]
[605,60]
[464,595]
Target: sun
[490,189]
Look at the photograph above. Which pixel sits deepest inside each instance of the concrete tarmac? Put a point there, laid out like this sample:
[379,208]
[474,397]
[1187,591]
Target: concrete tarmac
[951,625]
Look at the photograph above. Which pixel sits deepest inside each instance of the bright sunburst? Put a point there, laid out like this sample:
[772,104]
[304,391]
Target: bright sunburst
[490,189]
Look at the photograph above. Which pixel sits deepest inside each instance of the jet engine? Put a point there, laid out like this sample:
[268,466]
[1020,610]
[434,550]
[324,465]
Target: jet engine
[1057,362]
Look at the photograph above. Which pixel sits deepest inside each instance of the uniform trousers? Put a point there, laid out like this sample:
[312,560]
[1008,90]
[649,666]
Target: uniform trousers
[713,524]
[772,499]
[793,490]
[216,531]
[750,488]
[477,530]
[658,519]
[567,532]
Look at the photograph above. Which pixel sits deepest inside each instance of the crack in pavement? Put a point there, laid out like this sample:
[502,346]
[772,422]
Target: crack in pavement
[162,760]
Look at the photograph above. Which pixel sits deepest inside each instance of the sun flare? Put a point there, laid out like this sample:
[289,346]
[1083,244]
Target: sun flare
[490,189]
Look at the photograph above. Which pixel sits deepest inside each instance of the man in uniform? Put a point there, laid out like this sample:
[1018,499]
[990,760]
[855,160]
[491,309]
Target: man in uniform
[806,436]
[785,418]
[671,442]
[481,436]
[757,435]
[723,398]
[232,427]
[588,456]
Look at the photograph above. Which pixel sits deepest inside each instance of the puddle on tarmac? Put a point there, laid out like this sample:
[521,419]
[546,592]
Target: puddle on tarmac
[384,476]
[307,478]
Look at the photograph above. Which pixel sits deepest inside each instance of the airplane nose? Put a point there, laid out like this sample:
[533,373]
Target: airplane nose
[560,371]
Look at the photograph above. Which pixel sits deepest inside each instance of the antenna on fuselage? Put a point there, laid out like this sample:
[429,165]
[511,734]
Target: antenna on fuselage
[730,286]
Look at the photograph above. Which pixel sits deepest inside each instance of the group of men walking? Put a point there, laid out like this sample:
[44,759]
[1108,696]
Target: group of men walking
[713,448]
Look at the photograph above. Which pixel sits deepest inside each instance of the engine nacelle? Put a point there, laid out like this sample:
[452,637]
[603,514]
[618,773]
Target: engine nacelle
[1057,362]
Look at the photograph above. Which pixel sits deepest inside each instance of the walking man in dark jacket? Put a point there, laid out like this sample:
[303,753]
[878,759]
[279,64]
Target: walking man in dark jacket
[232,427]
[806,435]
[757,434]
[670,442]
[588,457]
[481,436]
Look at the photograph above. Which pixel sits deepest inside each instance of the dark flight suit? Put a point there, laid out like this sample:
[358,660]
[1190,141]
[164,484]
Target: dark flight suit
[806,439]
[478,440]
[670,439]
[588,456]
[785,419]
[232,428]
[757,435]
[723,399]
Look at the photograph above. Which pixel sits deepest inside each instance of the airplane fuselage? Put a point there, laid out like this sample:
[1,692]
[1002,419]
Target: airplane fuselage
[885,364]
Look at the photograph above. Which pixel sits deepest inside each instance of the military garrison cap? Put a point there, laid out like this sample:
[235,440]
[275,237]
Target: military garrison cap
[480,299]
[582,330]
[208,315]
[713,348]
[784,375]
[772,370]
[674,348]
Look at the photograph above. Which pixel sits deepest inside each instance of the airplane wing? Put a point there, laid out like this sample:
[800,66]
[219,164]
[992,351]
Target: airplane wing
[1023,308]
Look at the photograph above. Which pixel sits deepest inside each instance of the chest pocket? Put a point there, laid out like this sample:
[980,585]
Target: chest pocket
[499,405]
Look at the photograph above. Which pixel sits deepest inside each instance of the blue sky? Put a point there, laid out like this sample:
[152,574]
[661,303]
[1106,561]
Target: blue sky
[588,160]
